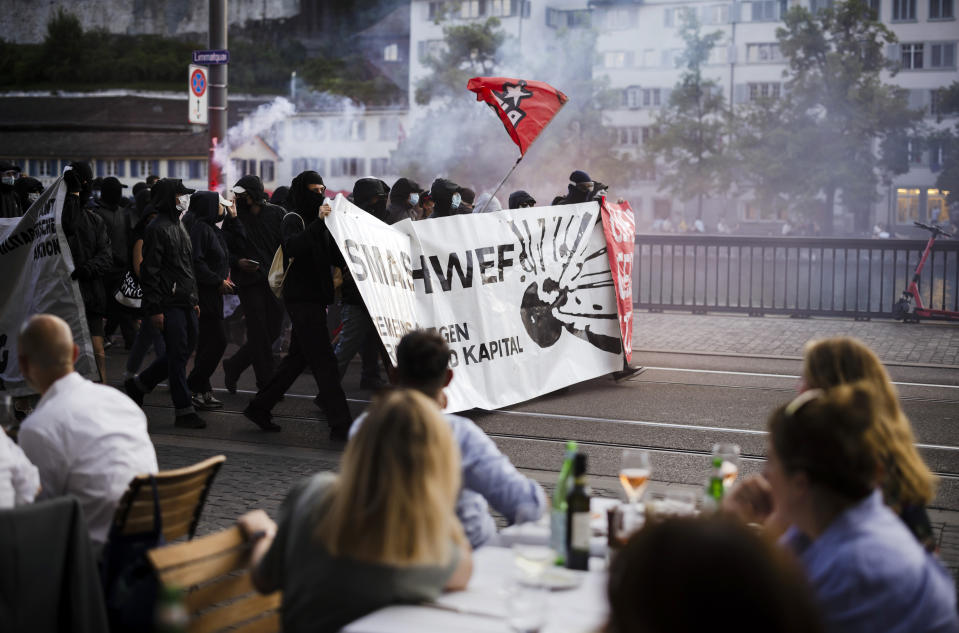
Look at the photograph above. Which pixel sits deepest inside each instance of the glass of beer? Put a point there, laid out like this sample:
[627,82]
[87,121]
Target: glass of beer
[729,469]
[634,473]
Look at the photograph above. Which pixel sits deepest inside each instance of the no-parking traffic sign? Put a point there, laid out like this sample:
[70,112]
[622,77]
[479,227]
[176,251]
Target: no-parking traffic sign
[197,91]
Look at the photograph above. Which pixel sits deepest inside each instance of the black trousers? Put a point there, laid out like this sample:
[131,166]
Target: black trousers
[263,315]
[210,344]
[309,347]
[116,314]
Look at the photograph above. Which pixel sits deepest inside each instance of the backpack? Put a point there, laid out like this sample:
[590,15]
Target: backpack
[277,275]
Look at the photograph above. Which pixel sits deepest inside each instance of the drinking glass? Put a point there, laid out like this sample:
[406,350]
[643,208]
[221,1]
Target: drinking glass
[729,469]
[634,473]
[532,560]
[526,608]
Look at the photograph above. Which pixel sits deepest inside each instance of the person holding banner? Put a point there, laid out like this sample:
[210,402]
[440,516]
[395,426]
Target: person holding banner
[308,252]
[9,204]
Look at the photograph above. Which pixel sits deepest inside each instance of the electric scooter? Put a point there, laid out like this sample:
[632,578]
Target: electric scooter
[909,308]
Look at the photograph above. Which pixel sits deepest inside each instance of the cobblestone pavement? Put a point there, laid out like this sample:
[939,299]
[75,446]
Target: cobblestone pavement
[926,343]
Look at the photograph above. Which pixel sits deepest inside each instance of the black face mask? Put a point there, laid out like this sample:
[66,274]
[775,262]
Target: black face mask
[379,207]
[313,202]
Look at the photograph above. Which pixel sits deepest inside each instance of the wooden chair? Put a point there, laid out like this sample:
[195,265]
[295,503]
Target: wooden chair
[220,595]
[182,494]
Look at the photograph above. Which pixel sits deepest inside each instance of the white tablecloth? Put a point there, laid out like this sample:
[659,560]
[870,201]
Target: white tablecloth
[538,533]
[579,610]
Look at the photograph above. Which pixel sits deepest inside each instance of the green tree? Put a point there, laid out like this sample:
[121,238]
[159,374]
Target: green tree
[63,49]
[846,120]
[948,178]
[469,50]
[688,145]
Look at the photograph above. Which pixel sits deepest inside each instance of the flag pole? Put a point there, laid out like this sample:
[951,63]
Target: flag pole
[502,182]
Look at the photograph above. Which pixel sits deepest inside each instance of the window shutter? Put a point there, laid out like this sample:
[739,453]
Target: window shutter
[121,168]
[101,168]
[134,169]
[194,169]
[513,9]
[171,168]
[893,52]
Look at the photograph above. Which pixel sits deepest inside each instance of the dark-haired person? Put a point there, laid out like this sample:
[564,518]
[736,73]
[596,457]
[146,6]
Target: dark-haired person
[489,478]
[89,243]
[9,203]
[581,188]
[252,231]
[687,575]
[866,569]
[118,217]
[403,202]
[170,300]
[28,191]
[521,200]
[307,291]
[211,265]
[147,336]
[468,196]
[446,198]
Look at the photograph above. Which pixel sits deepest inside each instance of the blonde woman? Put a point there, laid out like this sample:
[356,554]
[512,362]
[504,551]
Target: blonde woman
[383,531]
[906,482]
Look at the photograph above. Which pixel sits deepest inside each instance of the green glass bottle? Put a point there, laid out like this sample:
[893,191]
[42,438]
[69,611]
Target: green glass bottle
[578,529]
[714,489]
[557,533]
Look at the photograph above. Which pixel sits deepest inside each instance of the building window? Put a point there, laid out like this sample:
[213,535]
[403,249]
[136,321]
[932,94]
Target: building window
[632,97]
[267,170]
[936,205]
[498,8]
[915,151]
[818,5]
[765,11]
[907,205]
[179,169]
[346,166]
[140,168]
[670,57]
[903,10]
[389,129]
[650,97]
[437,10]
[471,9]
[761,53]
[614,59]
[940,10]
[391,53]
[302,164]
[912,56]
[429,48]
[669,17]
[619,18]
[46,168]
[875,6]
[763,91]
[379,167]
[718,55]
[942,55]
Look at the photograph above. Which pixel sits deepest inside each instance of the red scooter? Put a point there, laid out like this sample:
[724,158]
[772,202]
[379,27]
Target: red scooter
[909,307]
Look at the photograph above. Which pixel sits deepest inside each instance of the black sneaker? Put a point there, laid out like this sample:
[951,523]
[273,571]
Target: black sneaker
[206,401]
[130,386]
[189,421]
[262,419]
[229,377]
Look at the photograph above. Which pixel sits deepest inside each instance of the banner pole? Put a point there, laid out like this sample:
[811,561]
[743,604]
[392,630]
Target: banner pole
[502,182]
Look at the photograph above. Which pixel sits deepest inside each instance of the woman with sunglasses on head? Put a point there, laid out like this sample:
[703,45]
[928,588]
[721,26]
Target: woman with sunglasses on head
[867,571]
[383,531]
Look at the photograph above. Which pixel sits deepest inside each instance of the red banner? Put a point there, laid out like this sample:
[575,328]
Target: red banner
[619,225]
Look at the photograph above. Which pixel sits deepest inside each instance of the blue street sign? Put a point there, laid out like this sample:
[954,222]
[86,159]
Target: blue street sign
[211,57]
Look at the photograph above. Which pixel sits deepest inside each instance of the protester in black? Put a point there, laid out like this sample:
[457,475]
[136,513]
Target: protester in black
[520,200]
[90,247]
[582,188]
[281,197]
[28,191]
[466,204]
[404,198]
[147,335]
[9,204]
[252,231]
[170,299]
[307,291]
[446,196]
[358,333]
[118,216]
[211,265]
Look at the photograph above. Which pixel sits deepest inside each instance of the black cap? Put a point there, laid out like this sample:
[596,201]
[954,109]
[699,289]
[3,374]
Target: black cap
[579,176]
[579,464]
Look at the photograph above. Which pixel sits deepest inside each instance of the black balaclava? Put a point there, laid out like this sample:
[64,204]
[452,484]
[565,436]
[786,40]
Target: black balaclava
[365,190]
[575,193]
[111,191]
[402,189]
[85,173]
[205,206]
[281,196]
[306,202]
[164,194]
[5,166]
[24,186]
[442,191]
[519,197]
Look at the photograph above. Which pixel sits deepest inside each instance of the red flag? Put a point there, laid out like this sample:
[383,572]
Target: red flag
[524,107]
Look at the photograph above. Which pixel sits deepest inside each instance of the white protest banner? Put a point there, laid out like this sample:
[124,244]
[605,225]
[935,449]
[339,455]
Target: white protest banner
[525,298]
[36,265]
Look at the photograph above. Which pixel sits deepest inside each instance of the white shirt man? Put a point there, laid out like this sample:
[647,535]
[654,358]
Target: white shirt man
[87,440]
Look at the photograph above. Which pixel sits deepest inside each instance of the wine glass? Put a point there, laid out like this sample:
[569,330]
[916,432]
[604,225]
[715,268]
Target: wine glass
[729,469]
[634,473]
[526,608]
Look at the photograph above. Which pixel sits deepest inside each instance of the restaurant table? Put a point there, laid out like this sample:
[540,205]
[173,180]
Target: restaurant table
[481,608]
[537,533]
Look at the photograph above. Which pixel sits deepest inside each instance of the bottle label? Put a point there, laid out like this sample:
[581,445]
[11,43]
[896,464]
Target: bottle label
[579,539]
[557,532]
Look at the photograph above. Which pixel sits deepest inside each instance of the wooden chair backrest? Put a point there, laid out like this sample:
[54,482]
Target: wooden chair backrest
[182,493]
[219,590]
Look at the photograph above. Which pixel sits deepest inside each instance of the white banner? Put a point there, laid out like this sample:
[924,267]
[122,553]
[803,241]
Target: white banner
[525,298]
[36,265]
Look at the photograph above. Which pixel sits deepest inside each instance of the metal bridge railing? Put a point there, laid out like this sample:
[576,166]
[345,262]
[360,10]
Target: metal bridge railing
[798,276]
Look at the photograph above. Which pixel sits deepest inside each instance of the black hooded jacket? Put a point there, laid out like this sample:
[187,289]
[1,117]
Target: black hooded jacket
[166,274]
[308,242]
[399,207]
[24,186]
[118,217]
[253,236]
[211,257]
[90,247]
[442,191]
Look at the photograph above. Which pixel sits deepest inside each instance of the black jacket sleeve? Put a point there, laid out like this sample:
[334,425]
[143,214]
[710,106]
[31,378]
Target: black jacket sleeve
[202,238]
[236,239]
[101,256]
[151,268]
